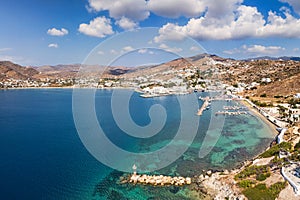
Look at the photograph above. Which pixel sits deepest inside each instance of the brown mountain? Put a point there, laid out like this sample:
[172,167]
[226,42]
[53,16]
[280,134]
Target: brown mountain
[285,74]
[10,70]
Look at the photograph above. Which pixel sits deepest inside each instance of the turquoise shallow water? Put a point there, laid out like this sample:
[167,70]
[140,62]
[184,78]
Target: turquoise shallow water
[42,156]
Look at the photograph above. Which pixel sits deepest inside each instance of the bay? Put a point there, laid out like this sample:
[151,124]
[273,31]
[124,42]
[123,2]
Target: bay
[42,156]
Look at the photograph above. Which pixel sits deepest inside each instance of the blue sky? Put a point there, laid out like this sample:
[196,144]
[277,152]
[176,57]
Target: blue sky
[51,32]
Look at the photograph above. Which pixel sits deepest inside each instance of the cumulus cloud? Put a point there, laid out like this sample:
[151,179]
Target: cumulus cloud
[135,10]
[294,3]
[287,26]
[126,24]
[99,27]
[57,32]
[170,32]
[240,22]
[175,9]
[211,19]
[53,45]
[256,50]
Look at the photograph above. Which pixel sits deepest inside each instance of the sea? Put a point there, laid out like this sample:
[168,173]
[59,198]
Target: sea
[43,156]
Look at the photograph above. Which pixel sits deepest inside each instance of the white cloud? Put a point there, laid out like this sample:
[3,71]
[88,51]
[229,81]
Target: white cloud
[279,26]
[99,27]
[259,49]
[135,10]
[100,52]
[294,3]
[256,50]
[126,24]
[170,32]
[53,45]
[170,49]
[175,9]
[194,48]
[142,51]
[127,49]
[57,32]
[236,22]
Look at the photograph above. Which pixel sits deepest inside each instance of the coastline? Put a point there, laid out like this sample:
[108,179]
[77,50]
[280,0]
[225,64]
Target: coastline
[255,112]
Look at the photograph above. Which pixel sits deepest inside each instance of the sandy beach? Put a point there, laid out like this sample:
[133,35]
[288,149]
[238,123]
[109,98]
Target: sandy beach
[263,118]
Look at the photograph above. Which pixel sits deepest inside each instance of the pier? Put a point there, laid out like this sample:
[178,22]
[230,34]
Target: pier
[234,108]
[204,106]
[231,113]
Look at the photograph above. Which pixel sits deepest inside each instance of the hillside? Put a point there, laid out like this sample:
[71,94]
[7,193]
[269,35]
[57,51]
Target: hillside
[9,70]
[283,73]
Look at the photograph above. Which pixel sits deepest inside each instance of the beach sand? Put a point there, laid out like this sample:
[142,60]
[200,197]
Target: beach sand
[263,118]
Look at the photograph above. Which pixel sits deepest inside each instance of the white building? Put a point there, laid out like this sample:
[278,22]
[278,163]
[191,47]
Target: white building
[297,96]
[266,80]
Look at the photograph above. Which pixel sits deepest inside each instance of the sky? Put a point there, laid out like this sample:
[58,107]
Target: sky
[52,32]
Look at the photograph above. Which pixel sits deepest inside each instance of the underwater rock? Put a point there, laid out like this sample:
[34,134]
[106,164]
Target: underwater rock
[174,189]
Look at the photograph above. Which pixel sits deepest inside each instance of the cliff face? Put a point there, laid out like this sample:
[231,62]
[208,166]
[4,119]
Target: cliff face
[9,70]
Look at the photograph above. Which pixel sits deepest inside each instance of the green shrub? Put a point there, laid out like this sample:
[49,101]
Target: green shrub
[278,96]
[263,176]
[297,146]
[275,149]
[252,170]
[276,188]
[246,183]
[263,95]
[260,191]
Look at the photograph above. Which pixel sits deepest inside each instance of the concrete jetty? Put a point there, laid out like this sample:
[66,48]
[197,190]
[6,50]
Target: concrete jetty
[204,106]
[234,107]
[231,113]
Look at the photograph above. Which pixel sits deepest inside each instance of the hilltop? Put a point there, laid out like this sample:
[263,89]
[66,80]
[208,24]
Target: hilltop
[10,70]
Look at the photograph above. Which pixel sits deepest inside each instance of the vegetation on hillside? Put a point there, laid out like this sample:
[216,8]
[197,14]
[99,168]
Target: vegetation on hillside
[261,191]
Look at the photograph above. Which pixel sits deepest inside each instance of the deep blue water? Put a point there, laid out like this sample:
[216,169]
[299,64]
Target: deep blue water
[42,156]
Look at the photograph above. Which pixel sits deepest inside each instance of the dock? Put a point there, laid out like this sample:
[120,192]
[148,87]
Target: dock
[204,106]
[231,113]
[234,108]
